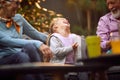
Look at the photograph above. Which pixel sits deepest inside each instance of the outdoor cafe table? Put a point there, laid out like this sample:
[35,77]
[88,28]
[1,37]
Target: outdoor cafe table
[96,64]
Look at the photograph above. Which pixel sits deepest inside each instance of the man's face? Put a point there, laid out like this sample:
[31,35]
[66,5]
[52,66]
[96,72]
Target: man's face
[11,7]
[114,7]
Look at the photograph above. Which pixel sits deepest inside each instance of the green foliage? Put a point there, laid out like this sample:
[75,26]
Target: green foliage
[101,6]
[82,31]
[89,13]
[79,30]
[88,4]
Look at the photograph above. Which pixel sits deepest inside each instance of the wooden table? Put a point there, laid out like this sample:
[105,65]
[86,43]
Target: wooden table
[56,69]
[102,64]
[98,64]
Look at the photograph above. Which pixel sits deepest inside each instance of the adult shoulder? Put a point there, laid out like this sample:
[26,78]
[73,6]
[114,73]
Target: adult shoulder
[18,17]
[106,17]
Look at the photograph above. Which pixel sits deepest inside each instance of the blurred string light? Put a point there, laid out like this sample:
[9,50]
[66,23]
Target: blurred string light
[43,0]
[46,10]
[20,0]
[37,5]
[51,13]
[30,3]
[38,16]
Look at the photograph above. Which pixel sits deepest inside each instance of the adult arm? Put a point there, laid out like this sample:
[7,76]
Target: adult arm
[9,41]
[104,32]
[34,34]
[30,31]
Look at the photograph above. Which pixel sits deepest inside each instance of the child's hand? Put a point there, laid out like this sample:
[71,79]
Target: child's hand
[75,45]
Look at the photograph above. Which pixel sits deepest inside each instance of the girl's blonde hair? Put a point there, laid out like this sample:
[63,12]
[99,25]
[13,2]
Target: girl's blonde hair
[53,22]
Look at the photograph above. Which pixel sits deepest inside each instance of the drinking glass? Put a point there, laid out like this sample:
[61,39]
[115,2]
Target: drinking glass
[93,46]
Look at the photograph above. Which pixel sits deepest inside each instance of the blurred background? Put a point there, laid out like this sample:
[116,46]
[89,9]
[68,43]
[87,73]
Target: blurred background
[83,15]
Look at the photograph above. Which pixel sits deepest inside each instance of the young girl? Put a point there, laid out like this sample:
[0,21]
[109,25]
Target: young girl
[65,46]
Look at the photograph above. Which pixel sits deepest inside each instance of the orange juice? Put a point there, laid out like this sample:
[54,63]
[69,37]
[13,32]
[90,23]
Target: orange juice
[93,46]
[115,44]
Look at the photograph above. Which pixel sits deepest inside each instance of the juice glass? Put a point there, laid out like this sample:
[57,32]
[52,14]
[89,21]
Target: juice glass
[115,44]
[93,46]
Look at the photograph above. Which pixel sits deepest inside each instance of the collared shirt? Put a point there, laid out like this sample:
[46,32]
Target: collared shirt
[11,41]
[107,27]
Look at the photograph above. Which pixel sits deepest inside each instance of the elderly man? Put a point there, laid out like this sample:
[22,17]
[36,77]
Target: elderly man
[108,24]
[13,48]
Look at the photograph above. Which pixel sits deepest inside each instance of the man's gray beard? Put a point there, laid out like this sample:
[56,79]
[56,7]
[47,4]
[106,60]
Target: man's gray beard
[117,14]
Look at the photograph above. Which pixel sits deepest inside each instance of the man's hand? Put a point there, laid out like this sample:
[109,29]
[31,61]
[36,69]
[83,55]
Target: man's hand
[47,53]
[108,44]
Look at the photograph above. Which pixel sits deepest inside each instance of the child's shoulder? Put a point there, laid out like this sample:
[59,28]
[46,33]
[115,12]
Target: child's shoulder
[74,35]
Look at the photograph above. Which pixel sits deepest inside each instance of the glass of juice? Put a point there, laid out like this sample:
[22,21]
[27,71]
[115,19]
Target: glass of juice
[115,44]
[93,46]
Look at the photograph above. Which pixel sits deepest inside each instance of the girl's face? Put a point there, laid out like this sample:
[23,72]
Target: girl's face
[61,24]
